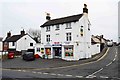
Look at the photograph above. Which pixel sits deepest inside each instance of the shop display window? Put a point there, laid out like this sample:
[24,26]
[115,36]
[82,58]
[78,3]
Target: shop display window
[48,51]
[69,51]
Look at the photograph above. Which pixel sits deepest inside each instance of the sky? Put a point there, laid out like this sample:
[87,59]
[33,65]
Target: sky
[16,15]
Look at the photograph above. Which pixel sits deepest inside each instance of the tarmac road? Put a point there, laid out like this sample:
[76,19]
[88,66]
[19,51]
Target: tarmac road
[106,67]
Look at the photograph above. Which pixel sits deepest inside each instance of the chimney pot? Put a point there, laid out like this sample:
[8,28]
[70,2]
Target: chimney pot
[22,32]
[85,10]
[9,34]
[48,16]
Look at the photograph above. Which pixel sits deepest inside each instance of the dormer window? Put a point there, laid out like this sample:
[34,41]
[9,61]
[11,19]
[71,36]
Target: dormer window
[68,26]
[48,28]
[57,27]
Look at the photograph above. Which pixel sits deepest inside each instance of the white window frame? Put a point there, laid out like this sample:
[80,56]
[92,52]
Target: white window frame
[69,36]
[68,26]
[48,28]
[57,27]
[47,38]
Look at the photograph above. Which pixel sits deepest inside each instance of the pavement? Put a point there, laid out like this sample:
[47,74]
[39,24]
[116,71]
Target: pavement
[41,64]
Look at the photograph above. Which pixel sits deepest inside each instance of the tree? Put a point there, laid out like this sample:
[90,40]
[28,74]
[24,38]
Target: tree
[36,34]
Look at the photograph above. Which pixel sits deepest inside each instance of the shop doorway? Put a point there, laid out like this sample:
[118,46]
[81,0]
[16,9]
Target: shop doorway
[57,52]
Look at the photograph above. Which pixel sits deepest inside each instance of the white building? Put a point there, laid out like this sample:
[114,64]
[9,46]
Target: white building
[118,22]
[95,46]
[18,42]
[1,44]
[68,38]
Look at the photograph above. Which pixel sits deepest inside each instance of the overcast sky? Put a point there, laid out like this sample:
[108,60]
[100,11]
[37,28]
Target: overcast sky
[16,15]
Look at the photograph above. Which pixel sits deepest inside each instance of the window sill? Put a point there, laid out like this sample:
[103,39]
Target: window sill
[47,30]
[57,29]
[69,28]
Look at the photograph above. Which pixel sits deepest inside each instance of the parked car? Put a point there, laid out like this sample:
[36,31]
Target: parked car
[10,55]
[109,44]
[28,56]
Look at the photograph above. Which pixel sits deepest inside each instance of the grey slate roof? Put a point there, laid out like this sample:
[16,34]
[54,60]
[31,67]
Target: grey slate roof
[13,38]
[68,19]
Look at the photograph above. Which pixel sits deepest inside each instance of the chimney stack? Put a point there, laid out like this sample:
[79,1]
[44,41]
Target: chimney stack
[48,16]
[22,32]
[85,10]
[9,34]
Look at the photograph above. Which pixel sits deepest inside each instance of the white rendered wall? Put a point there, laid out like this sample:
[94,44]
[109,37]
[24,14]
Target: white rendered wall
[83,49]
[1,46]
[24,43]
[11,46]
[95,49]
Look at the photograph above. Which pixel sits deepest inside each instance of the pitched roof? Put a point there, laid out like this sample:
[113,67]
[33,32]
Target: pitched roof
[68,19]
[13,38]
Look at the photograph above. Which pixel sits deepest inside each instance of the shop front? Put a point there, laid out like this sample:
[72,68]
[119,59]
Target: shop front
[48,51]
[68,52]
[57,50]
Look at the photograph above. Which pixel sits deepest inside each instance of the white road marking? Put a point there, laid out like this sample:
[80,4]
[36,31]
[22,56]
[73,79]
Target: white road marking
[53,74]
[90,76]
[45,73]
[19,70]
[24,71]
[39,72]
[68,75]
[109,64]
[97,71]
[34,72]
[60,74]
[79,76]
[104,77]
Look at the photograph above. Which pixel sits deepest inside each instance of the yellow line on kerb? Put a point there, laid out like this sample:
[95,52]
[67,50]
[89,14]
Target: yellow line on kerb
[104,55]
[70,65]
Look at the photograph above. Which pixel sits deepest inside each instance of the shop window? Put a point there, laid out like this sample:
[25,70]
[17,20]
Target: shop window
[38,49]
[48,51]
[68,51]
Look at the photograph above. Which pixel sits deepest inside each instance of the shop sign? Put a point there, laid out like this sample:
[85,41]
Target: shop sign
[57,44]
[48,44]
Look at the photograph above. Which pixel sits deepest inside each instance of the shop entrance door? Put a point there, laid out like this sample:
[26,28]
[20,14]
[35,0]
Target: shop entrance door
[57,52]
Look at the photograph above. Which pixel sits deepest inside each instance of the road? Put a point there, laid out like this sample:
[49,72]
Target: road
[106,67]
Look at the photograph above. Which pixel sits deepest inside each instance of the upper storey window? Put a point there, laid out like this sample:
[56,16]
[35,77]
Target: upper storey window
[57,27]
[68,26]
[48,28]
